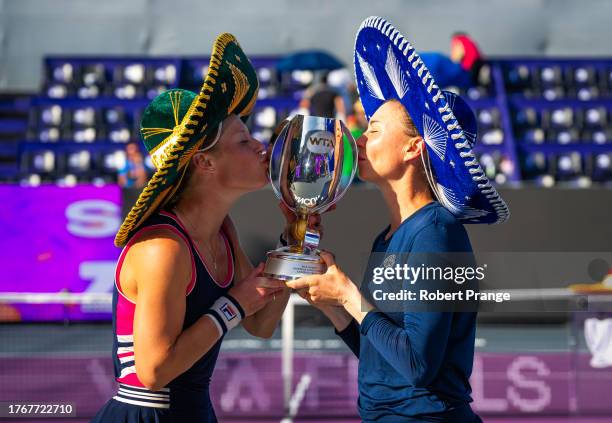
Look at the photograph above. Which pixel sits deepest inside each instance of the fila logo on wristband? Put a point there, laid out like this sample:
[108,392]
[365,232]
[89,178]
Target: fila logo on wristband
[228,311]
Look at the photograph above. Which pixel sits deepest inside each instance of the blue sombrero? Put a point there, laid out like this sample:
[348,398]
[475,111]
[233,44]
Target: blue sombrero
[387,67]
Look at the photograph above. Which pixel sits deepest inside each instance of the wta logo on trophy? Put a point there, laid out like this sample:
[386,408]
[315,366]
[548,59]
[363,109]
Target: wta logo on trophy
[320,142]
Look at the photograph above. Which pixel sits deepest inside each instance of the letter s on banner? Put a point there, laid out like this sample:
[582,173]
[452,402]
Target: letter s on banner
[93,218]
[540,396]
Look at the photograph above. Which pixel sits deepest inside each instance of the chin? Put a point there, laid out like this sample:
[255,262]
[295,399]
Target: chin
[263,183]
[363,172]
[259,181]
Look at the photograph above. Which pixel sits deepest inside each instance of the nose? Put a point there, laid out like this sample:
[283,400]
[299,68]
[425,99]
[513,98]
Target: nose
[259,147]
[361,141]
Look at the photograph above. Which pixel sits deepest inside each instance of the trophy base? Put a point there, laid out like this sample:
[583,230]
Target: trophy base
[286,265]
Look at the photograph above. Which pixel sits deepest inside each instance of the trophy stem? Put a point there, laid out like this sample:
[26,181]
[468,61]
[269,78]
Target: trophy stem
[299,232]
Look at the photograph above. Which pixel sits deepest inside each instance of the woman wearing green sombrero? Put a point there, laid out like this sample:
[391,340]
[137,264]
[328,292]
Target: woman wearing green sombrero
[182,280]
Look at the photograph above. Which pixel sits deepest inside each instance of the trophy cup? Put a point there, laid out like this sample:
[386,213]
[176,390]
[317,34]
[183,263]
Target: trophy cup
[312,163]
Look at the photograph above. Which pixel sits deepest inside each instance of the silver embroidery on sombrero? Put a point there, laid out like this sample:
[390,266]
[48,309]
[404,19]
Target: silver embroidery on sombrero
[470,137]
[450,201]
[435,136]
[370,78]
[395,74]
[450,100]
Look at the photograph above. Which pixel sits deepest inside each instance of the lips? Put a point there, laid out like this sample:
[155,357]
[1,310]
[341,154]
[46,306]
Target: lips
[263,156]
[264,160]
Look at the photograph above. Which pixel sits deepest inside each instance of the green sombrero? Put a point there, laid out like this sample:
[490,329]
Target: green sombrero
[178,123]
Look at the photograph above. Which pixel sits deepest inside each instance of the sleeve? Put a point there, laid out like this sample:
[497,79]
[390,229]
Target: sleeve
[350,335]
[416,346]
[415,350]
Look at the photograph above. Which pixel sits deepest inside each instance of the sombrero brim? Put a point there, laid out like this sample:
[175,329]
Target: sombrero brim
[388,67]
[194,132]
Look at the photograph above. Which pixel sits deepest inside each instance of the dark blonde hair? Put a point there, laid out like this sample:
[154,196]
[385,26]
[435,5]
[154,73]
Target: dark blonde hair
[411,130]
[185,180]
[409,126]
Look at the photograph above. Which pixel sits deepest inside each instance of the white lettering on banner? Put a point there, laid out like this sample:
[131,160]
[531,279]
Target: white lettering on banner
[515,374]
[93,218]
[244,389]
[322,384]
[481,403]
[101,274]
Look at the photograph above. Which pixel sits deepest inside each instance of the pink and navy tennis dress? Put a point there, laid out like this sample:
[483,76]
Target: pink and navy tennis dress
[186,398]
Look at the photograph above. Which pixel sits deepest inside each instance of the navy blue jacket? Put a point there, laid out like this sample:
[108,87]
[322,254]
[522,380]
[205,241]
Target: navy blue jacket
[415,366]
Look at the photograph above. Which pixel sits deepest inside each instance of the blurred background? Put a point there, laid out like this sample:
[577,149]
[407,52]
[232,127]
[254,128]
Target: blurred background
[75,77]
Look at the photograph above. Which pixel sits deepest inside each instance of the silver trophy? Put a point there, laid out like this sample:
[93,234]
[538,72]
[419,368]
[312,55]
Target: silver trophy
[312,163]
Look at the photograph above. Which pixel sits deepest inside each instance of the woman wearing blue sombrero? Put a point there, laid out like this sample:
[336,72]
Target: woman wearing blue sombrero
[413,366]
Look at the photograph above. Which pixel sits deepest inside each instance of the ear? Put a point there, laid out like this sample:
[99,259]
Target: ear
[204,161]
[413,148]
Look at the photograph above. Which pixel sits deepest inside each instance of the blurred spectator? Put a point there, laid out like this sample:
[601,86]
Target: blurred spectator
[343,81]
[446,72]
[133,174]
[357,122]
[322,100]
[461,68]
[465,51]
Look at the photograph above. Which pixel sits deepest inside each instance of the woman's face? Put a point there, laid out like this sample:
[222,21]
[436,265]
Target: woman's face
[240,160]
[382,146]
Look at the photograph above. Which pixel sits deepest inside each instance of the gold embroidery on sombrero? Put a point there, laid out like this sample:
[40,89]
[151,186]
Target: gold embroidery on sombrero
[136,216]
[175,102]
[162,154]
[249,107]
[184,160]
[153,206]
[242,86]
[149,132]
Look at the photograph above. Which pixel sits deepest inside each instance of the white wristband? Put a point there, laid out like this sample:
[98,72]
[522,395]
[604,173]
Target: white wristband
[226,313]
